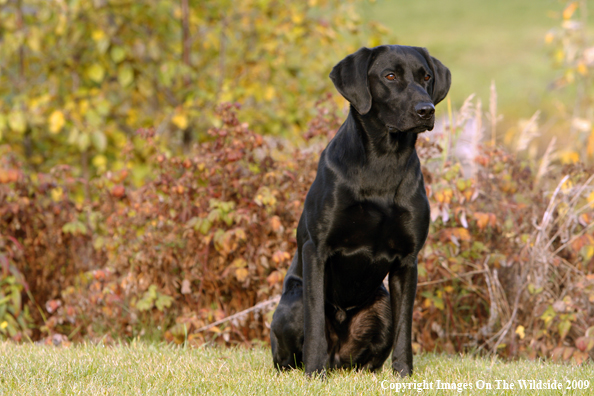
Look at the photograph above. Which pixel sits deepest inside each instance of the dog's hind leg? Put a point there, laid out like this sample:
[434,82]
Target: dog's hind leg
[368,341]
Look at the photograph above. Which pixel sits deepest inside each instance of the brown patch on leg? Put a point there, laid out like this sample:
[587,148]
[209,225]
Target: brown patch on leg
[364,339]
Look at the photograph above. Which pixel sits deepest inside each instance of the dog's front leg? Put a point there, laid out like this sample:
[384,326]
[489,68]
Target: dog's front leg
[403,288]
[315,346]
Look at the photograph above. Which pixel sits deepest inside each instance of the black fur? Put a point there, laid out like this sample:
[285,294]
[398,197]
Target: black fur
[366,217]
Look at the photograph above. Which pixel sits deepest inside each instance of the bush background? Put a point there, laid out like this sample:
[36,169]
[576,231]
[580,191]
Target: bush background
[139,200]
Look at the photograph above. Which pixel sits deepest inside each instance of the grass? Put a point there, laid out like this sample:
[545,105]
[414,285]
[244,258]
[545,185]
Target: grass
[148,369]
[482,41]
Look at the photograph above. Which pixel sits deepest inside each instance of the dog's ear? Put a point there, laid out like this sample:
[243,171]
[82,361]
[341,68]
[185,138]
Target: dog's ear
[350,79]
[442,78]
[441,81]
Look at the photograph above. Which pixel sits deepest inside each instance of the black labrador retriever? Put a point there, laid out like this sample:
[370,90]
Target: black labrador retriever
[366,216]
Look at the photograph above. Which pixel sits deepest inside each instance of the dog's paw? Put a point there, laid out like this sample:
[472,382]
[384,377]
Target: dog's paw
[402,369]
[316,374]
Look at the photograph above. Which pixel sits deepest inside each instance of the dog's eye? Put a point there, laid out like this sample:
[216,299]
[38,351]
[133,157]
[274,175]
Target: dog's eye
[427,77]
[391,77]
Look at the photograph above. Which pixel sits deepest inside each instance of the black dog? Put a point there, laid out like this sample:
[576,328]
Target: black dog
[365,216]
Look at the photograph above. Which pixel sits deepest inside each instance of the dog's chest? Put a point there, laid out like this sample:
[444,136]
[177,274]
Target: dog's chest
[375,228]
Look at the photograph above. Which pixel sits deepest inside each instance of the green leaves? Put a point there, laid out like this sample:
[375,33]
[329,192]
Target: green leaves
[117,54]
[74,227]
[153,298]
[17,121]
[125,75]
[14,318]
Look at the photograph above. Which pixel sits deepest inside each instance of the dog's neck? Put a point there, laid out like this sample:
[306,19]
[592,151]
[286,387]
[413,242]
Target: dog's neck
[366,153]
[377,138]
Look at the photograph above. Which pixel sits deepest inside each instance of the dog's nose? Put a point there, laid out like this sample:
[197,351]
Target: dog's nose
[425,110]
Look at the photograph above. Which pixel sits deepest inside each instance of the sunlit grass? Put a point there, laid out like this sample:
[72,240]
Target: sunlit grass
[146,369]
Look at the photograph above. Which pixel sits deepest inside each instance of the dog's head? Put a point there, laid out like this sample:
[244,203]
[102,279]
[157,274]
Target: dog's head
[399,85]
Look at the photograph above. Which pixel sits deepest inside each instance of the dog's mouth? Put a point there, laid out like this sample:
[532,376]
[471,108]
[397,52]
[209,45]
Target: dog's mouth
[426,126]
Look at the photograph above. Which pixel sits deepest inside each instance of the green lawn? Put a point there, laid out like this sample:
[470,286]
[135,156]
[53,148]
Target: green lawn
[143,369]
[482,41]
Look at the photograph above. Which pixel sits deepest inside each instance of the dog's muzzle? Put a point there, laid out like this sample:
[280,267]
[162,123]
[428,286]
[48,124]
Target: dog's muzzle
[425,110]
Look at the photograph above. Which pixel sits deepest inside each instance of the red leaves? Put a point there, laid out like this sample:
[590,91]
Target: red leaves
[118,191]
[8,175]
[585,344]
[52,305]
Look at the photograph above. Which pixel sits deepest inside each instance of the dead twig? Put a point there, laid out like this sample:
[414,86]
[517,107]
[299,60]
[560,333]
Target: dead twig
[258,307]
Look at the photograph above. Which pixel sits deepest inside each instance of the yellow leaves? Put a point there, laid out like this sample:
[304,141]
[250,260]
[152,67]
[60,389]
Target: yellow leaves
[100,162]
[57,194]
[34,39]
[484,219]
[241,274]
[444,196]
[117,54]
[56,121]
[297,17]
[241,270]
[125,75]
[587,252]
[520,331]
[549,37]
[101,39]
[98,35]
[280,256]
[265,197]
[455,235]
[569,157]
[461,233]
[96,73]
[269,93]
[564,327]
[180,119]
[17,121]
